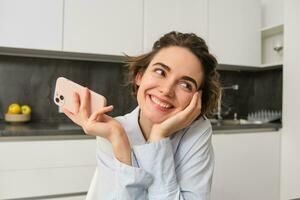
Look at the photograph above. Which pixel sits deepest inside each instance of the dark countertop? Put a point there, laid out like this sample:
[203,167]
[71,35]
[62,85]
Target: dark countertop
[48,131]
[40,131]
[246,128]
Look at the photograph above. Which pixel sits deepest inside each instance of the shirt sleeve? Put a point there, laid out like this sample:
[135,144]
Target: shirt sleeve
[190,179]
[131,182]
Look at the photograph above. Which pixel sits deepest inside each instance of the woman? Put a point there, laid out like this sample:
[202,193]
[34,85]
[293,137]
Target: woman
[162,149]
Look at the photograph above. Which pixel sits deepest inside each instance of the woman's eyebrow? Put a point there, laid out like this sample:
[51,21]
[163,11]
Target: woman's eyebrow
[163,65]
[166,67]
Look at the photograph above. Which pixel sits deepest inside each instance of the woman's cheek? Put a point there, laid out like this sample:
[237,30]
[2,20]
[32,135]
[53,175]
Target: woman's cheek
[185,99]
[150,82]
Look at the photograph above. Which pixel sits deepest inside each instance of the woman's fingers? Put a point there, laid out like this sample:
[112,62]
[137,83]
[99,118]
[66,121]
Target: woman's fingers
[103,110]
[76,102]
[197,108]
[85,104]
[194,108]
[191,107]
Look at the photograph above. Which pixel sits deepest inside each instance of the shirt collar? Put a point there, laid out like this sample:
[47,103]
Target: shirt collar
[136,137]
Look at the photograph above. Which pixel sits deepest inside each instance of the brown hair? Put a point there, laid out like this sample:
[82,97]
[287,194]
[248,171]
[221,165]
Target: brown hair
[211,85]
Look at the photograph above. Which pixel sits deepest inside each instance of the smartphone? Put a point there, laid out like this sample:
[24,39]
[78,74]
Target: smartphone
[64,98]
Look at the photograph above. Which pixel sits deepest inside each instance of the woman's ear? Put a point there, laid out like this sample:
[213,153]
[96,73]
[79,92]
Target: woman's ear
[138,78]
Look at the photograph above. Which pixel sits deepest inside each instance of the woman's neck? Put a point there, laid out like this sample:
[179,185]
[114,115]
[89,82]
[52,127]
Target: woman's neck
[145,125]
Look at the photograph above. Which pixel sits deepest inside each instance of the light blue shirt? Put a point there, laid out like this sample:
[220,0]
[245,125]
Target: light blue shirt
[176,168]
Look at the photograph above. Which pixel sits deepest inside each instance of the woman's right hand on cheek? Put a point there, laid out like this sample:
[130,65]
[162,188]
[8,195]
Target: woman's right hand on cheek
[97,123]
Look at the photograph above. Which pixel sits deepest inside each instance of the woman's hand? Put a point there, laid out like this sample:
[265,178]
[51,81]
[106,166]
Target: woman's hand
[180,120]
[97,123]
[100,124]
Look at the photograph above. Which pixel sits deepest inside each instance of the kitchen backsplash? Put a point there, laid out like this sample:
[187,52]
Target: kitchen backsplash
[258,90]
[31,81]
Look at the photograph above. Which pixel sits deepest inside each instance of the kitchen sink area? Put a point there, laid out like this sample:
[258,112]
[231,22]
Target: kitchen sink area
[228,126]
[229,122]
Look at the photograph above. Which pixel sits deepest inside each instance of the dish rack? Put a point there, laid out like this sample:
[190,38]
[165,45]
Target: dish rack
[264,116]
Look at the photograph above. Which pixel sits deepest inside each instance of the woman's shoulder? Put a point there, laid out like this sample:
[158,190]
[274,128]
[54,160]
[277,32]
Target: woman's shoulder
[200,126]
[200,130]
[129,120]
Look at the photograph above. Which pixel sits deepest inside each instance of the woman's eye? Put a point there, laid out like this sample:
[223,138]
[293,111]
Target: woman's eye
[160,72]
[186,85]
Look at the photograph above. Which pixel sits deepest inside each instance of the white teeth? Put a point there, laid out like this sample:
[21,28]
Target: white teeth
[158,102]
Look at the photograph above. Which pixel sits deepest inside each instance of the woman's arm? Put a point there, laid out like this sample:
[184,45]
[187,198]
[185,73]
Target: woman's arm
[191,178]
[121,147]
[131,182]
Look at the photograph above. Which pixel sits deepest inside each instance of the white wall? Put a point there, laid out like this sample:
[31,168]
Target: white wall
[290,164]
[272,12]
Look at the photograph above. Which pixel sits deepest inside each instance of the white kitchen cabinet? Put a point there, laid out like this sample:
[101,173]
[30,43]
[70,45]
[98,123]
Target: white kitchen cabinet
[234,31]
[31,24]
[161,17]
[103,27]
[40,168]
[272,32]
[272,13]
[247,166]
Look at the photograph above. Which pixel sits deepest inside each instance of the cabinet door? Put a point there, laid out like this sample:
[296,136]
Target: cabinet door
[103,27]
[247,166]
[39,168]
[32,24]
[161,17]
[234,31]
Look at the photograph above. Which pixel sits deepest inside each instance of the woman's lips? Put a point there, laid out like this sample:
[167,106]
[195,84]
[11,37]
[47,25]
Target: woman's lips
[157,106]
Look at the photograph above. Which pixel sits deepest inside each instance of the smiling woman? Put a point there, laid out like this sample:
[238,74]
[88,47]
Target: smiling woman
[178,66]
[198,56]
[162,149]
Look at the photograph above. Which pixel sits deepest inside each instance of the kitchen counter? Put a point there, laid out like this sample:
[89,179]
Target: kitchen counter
[245,128]
[54,131]
[41,131]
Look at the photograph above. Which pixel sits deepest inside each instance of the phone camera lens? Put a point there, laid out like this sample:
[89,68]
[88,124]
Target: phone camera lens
[61,97]
[57,100]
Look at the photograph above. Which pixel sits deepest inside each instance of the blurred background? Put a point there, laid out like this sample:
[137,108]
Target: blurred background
[43,155]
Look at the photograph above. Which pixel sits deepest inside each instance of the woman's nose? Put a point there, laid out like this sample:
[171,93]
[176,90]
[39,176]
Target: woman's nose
[167,89]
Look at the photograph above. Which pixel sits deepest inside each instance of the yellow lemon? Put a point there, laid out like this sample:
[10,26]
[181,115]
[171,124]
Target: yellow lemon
[26,109]
[14,108]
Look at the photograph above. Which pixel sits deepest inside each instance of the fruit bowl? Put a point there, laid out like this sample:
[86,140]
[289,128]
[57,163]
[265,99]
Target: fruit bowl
[17,117]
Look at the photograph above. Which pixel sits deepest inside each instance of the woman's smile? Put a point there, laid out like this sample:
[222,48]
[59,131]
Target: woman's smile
[159,104]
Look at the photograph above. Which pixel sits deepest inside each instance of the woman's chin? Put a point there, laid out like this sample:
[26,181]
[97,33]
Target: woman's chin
[155,118]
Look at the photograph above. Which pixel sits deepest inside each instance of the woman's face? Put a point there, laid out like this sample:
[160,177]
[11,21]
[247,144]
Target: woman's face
[168,84]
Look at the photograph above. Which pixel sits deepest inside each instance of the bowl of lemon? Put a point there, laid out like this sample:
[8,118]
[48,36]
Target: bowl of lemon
[17,113]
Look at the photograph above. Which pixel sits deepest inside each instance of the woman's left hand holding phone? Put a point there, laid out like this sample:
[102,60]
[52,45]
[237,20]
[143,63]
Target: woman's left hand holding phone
[100,124]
